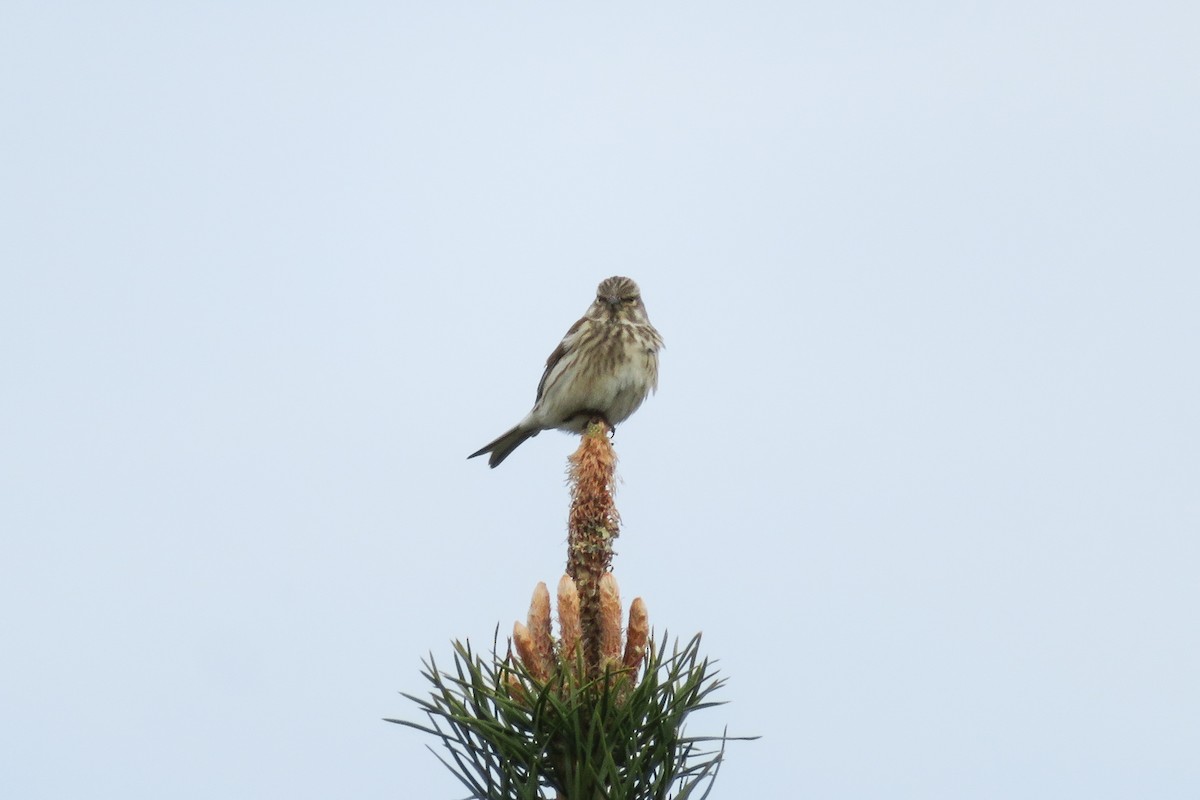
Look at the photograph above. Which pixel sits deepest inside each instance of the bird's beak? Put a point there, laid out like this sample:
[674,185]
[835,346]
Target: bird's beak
[612,300]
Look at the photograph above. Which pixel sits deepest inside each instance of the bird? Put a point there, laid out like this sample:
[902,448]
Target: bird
[604,368]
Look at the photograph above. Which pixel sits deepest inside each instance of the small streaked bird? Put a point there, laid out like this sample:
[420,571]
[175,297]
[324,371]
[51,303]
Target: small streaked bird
[604,367]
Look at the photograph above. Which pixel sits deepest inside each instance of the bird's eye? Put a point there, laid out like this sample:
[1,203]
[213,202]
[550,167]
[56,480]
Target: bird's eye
[629,299]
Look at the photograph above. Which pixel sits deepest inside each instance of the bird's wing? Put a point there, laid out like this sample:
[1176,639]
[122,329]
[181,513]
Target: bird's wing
[565,345]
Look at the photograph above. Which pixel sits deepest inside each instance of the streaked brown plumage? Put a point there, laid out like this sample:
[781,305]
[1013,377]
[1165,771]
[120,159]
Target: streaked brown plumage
[604,367]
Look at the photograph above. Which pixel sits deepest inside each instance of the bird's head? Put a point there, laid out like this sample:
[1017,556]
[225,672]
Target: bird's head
[619,296]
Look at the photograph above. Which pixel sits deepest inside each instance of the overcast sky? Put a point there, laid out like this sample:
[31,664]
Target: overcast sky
[923,465]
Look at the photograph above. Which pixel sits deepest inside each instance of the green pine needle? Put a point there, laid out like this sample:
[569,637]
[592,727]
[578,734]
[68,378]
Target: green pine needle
[597,739]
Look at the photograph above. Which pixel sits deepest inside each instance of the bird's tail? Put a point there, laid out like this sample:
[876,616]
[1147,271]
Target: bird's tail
[504,445]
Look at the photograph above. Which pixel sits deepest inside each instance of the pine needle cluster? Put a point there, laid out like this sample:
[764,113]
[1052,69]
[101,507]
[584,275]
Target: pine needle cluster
[594,714]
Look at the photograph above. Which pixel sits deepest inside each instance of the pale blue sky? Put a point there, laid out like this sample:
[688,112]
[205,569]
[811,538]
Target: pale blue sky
[923,465]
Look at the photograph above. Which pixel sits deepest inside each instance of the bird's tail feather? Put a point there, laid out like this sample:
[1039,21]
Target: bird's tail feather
[504,445]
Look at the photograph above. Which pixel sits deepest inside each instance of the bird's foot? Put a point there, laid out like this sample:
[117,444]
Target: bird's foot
[597,418]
